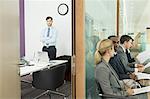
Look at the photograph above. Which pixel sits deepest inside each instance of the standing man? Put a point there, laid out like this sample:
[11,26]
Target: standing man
[48,38]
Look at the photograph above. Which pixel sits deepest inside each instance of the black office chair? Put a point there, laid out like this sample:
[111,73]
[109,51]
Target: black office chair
[110,96]
[49,80]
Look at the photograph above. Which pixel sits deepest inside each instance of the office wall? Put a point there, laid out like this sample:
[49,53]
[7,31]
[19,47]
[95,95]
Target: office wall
[35,13]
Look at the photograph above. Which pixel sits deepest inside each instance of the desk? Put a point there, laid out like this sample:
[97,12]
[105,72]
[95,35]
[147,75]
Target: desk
[40,66]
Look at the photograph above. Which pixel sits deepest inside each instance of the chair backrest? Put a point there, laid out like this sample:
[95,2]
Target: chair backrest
[110,96]
[99,87]
[49,78]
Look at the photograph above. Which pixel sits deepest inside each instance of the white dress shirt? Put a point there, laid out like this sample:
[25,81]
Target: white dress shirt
[51,39]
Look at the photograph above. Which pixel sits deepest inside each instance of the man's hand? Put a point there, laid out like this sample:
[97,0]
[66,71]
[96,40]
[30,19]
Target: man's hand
[140,69]
[140,65]
[133,76]
[47,45]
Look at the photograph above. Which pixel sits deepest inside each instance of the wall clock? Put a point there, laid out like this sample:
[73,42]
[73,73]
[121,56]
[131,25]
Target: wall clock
[63,9]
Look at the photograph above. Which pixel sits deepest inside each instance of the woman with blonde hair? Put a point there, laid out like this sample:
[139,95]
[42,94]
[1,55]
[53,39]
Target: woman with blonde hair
[105,75]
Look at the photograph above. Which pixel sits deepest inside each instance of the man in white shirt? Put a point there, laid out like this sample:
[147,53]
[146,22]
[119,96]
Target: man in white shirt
[48,38]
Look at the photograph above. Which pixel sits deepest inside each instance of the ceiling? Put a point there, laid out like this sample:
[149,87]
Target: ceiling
[134,14]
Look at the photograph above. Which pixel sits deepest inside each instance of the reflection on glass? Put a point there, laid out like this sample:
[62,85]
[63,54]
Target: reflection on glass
[135,22]
[100,22]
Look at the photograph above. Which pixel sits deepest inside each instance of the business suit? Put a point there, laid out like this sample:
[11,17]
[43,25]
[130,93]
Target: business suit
[119,68]
[108,79]
[109,82]
[124,60]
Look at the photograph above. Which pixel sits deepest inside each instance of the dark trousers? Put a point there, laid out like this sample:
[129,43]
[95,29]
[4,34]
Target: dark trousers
[51,52]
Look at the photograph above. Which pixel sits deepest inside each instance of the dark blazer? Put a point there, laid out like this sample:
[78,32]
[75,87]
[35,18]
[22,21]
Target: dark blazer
[124,60]
[108,79]
[119,68]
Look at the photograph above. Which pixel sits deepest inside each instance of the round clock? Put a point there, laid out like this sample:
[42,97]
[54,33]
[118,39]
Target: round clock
[63,9]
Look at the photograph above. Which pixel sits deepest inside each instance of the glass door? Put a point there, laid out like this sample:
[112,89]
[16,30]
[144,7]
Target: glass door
[100,22]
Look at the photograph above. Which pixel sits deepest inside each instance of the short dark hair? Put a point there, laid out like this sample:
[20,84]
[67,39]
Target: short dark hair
[132,39]
[125,38]
[49,18]
[111,36]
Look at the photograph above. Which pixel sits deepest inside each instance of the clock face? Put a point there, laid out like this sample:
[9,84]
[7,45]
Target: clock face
[63,9]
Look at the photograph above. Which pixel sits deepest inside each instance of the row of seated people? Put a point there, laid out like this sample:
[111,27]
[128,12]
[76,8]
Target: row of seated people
[122,62]
[112,70]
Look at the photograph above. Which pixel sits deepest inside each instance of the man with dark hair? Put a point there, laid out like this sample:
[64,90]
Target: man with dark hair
[48,38]
[49,18]
[116,63]
[115,41]
[109,37]
[126,43]
[125,38]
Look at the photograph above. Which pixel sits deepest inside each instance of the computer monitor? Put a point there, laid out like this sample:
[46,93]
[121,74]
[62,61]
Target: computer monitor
[41,57]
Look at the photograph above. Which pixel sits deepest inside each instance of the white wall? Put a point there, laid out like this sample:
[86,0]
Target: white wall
[35,13]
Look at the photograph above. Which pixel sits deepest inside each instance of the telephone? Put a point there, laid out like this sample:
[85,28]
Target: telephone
[24,62]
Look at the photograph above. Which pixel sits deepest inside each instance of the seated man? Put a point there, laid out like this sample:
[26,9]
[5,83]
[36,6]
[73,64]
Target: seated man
[132,60]
[116,63]
[126,43]
[118,66]
[107,78]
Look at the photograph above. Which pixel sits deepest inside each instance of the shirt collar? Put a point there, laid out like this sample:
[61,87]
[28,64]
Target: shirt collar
[124,50]
[128,50]
[115,53]
[49,27]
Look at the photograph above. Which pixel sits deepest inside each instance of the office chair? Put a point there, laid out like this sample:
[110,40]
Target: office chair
[110,96]
[49,80]
[68,66]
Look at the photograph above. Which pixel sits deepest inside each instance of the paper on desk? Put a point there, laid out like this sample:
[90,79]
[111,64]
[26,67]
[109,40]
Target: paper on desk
[142,76]
[141,90]
[143,56]
[147,65]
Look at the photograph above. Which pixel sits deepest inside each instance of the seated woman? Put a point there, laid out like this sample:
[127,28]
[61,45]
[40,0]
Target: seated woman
[105,74]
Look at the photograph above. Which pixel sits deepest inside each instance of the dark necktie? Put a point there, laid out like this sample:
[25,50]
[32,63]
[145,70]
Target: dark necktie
[127,53]
[48,32]
[130,59]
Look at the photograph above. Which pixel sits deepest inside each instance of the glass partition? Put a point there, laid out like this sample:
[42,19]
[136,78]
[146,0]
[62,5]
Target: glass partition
[136,23]
[100,22]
